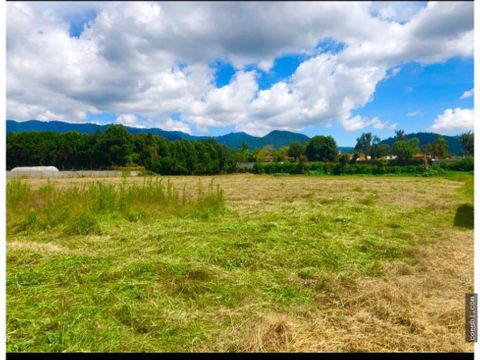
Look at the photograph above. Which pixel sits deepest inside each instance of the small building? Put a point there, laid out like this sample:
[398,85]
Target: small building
[362,157]
[245,165]
[421,156]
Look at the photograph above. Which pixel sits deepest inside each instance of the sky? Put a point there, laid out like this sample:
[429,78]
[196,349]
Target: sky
[318,68]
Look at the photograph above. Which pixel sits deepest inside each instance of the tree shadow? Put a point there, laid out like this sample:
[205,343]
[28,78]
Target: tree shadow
[464,216]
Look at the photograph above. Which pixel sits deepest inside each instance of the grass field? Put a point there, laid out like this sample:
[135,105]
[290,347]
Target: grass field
[267,264]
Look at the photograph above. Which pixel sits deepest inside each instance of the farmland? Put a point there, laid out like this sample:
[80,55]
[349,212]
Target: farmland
[263,263]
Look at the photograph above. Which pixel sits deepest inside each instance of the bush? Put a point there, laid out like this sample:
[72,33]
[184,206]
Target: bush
[400,162]
[317,166]
[433,171]
[465,164]
[277,168]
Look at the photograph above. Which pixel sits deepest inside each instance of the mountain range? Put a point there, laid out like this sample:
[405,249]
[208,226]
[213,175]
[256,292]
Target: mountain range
[235,140]
[275,138]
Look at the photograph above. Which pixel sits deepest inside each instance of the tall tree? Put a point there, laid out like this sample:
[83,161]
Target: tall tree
[405,149]
[440,148]
[467,141]
[380,151]
[267,153]
[364,144]
[295,150]
[374,149]
[282,153]
[322,148]
[400,135]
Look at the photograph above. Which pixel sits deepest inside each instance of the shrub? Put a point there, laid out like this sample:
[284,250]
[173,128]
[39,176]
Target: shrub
[433,171]
[317,166]
[373,167]
[465,164]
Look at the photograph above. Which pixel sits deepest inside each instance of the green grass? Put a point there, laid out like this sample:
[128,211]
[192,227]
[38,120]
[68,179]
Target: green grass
[82,209]
[147,268]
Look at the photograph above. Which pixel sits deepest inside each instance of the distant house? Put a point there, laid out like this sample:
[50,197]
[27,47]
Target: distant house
[388,157]
[35,168]
[362,157]
[421,156]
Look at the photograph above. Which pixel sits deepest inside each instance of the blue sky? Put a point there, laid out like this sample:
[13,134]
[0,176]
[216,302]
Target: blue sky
[316,76]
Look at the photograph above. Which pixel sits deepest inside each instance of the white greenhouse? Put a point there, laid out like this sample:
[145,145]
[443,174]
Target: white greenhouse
[35,168]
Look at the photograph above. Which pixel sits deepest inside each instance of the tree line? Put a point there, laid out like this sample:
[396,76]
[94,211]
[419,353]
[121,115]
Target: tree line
[324,148]
[405,148]
[116,147]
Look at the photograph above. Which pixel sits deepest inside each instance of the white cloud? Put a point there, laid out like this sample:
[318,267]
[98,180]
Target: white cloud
[127,120]
[453,121]
[358,122]
[320,90]
[172,125]
[107,69]
[467,94]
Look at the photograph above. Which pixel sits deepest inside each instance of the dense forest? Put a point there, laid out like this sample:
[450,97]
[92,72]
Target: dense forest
[117,147]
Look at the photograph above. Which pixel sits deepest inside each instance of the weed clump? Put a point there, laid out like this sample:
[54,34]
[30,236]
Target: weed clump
[80,209]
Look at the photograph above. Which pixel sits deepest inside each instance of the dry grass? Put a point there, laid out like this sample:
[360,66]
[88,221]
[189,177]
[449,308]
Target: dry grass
[408,302]
[37,247]
[421,309]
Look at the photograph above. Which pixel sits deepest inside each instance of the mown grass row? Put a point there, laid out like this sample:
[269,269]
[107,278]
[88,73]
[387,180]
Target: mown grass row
[79,209]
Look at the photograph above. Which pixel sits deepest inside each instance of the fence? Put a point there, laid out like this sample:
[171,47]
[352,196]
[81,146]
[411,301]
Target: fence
[67,174]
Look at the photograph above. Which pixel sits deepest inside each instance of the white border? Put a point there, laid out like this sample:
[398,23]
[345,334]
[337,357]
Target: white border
[3,97]
[3,7]
[476,54]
